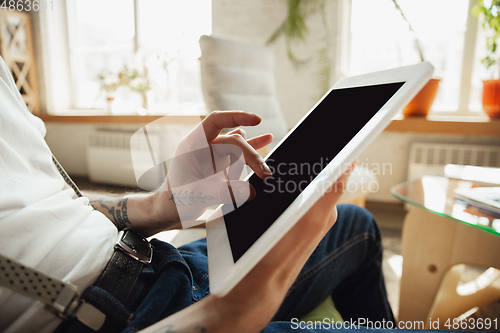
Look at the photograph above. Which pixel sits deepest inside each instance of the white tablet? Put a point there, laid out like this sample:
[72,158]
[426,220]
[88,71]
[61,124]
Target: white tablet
[313,154]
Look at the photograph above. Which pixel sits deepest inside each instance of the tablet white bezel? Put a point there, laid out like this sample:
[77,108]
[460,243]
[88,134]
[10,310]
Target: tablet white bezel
[223,271]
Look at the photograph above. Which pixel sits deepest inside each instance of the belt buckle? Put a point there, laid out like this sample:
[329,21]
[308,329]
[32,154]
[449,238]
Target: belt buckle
[130,250]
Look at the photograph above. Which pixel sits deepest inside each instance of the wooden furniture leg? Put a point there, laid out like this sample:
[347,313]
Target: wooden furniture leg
[431,245]
[448,303]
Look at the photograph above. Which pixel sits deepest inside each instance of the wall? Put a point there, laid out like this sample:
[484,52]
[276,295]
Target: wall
[68,143]
[393,148]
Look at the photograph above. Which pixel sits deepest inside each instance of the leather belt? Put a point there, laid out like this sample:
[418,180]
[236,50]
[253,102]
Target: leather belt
[132,252]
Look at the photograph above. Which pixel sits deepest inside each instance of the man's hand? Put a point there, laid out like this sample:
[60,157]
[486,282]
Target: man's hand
[204,172]
[207,166]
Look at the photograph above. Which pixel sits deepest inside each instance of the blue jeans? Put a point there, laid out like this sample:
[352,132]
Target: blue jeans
[346,265]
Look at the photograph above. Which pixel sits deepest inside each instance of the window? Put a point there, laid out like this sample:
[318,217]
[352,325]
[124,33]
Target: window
[446,30]
[137,56]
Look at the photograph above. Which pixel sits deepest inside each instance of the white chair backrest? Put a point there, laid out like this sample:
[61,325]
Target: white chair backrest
[239,75]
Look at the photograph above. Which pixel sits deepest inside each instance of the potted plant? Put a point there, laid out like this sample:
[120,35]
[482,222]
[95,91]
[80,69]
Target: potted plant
[491,24]
[421,104]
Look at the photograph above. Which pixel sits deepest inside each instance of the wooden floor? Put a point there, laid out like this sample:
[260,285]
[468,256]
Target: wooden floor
[390,220]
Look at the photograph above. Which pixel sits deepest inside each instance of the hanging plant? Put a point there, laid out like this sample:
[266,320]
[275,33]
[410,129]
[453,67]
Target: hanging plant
[422,103]
[417,43]
[294,29]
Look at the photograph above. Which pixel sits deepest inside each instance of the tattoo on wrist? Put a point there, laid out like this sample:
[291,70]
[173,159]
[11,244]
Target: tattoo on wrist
[117,210]
[186,198]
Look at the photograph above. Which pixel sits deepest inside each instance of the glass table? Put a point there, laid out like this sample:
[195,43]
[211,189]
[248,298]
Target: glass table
[440,235]
[436,194]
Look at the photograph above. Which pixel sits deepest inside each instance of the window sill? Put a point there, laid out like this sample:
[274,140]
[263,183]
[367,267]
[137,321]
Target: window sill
[128,119]
[465,125]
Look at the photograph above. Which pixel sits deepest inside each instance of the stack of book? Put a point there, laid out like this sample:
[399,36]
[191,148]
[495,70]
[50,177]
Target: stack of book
[486,198]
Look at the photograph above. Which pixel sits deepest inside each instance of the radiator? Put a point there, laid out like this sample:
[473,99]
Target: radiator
[431,158]
[109,158]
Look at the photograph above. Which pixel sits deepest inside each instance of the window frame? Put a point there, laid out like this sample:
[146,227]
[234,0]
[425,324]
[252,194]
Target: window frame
[468,57]
[471,32]
[55,52]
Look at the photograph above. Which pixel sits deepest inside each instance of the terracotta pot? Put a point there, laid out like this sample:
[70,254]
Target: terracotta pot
[491,98]
[422,102]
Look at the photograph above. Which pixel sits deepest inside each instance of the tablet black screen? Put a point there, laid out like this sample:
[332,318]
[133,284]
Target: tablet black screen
[314,143]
